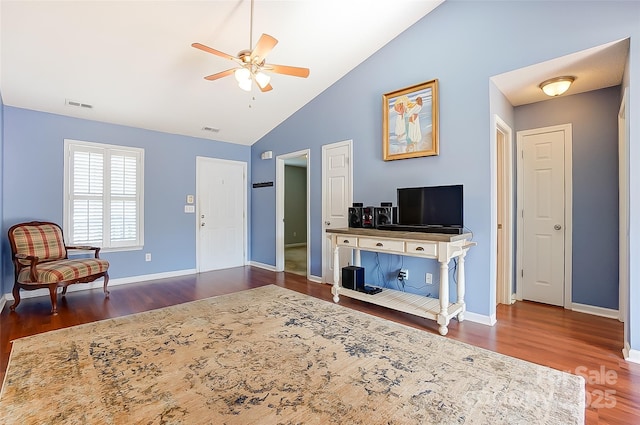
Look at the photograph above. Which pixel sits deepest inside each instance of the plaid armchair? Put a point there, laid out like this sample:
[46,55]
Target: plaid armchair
[40,260]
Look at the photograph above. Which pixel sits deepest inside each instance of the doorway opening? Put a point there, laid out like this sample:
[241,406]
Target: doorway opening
[292,215]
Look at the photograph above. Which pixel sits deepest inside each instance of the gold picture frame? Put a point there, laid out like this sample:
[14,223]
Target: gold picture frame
[410,122]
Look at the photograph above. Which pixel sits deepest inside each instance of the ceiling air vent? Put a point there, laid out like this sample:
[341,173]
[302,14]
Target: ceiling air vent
[78,104]
[211,129]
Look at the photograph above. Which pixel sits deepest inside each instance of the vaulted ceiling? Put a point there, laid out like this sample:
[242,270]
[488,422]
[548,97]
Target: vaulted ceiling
[133,63]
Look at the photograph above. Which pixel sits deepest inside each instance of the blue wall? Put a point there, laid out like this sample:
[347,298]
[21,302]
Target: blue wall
[33,183]
[594,119]
[462,44]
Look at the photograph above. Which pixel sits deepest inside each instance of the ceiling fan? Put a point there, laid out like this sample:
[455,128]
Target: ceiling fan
[251,63]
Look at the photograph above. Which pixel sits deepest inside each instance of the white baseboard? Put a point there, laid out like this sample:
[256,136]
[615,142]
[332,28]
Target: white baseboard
[629,354]
[596,311]
[262,266]
[480,318]
[315,279]
[99,284]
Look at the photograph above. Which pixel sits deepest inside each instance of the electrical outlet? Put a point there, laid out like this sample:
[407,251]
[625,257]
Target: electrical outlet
[147,256]
[429,279]
[403,274]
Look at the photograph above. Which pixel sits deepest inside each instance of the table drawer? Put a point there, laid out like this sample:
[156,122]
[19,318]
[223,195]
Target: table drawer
[426,249]
[382,245]
[347,241]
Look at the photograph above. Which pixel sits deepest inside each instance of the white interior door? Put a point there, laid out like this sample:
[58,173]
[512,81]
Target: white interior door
[337,197]
[504,212]
[543,214]
[501,279]
[221,204]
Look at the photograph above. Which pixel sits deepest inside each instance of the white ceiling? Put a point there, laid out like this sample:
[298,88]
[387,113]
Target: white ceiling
[596,68]
[133,60]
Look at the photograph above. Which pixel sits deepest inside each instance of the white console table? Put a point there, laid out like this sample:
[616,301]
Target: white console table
[439,246]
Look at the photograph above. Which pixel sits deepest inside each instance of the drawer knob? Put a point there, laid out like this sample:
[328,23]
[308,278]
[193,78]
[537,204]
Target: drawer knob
[345,241]
[379,244]
[419,248]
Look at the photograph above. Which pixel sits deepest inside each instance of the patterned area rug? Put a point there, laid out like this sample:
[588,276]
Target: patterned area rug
[273,356]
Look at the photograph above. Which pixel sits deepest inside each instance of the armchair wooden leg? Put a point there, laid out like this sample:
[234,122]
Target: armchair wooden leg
[106,281]
[53,293]
[16,297]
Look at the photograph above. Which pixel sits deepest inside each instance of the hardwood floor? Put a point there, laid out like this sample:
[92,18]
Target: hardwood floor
[550,336]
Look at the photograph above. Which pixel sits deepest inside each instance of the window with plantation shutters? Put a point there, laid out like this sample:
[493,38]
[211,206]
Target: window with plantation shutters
[103,202]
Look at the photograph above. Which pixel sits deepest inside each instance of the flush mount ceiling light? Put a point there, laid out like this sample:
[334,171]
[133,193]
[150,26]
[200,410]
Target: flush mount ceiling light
[556,86]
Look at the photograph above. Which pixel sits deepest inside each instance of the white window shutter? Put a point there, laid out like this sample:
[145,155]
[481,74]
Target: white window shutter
[124,208]
[105,193]
[87,194]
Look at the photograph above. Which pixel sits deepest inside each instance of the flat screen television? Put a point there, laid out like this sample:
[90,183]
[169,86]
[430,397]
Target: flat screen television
[431,206]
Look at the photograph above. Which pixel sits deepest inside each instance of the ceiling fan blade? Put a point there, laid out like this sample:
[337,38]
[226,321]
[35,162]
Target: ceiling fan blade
[266,88]
[265,44]
[213,51]
[220,74]
[288,70]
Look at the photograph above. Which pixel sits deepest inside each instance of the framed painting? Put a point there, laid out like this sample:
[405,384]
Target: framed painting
[410,122]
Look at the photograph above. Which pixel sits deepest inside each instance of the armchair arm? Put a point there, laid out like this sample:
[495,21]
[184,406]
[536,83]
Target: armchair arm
[33,262]
[87,248]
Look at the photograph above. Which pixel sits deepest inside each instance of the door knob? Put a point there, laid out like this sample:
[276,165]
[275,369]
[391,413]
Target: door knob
[557,227]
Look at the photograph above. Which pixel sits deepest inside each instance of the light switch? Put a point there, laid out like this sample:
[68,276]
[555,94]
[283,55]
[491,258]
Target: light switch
[189,209]
[189,199]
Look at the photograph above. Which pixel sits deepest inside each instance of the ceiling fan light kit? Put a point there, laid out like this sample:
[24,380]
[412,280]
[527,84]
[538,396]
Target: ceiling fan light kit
[262,79]
[245,85]
[251,63]
[242,74]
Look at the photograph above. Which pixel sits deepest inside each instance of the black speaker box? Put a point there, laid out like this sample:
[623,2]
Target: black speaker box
[382,215]
[355,216]
[353,278]
[367,217]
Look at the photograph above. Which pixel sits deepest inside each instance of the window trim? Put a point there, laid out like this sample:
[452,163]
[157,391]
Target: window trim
[107,149]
